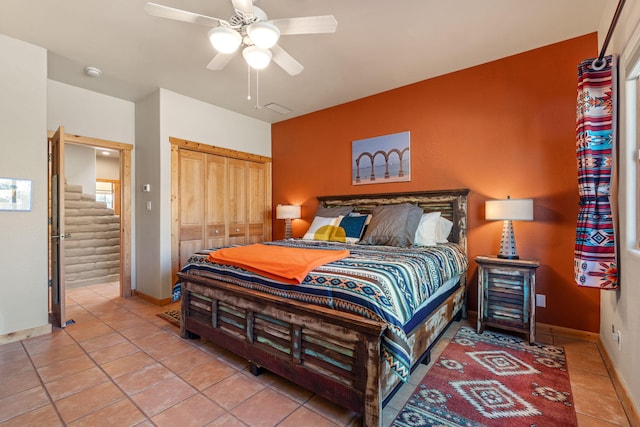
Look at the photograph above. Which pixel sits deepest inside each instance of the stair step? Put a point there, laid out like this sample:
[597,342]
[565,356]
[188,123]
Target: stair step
[80,252]
[80,204]
[83,220]
[95,281]
[95,228]
[92,267]
[88,212]
[97,237]
[72,188]
[91,243]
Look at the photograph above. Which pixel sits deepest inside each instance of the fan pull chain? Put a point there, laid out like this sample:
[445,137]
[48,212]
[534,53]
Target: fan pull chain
[257,107]
[248,83]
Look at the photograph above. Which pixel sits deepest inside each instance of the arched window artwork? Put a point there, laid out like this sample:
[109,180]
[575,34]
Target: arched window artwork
[382,159]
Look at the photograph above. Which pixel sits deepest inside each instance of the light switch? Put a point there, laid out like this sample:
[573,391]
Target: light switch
[148,205]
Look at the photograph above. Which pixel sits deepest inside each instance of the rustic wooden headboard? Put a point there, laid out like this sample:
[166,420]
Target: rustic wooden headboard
[451,203]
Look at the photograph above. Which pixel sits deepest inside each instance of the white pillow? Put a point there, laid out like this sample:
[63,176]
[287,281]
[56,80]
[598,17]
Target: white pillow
[426,232]
[443,229]
[321,228]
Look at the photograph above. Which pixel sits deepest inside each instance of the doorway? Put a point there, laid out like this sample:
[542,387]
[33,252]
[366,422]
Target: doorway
[121,193]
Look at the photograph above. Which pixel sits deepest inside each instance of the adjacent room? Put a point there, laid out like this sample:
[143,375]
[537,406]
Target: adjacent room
[286,213]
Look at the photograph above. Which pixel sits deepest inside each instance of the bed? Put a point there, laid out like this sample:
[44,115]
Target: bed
[320,338]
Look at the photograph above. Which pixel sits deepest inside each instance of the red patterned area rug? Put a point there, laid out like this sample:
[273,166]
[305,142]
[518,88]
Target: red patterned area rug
[171,316]
[492,379]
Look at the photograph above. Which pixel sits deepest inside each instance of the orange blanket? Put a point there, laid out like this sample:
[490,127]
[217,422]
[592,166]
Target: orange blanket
[288,265]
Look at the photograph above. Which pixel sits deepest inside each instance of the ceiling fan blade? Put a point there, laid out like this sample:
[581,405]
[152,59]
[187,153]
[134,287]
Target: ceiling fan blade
[162,11]
[286,61]
[244,6]
[219,61]
[306,25]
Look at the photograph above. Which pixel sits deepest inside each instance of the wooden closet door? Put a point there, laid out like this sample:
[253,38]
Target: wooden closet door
[216,196]
[192,187]
[237,201]
[256,202]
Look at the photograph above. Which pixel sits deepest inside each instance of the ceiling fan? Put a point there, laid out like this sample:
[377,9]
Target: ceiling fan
[249,27]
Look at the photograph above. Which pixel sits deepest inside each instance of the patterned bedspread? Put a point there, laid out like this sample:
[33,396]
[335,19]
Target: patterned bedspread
[378,282]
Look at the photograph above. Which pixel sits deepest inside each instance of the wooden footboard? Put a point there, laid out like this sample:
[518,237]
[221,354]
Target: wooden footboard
[333,354]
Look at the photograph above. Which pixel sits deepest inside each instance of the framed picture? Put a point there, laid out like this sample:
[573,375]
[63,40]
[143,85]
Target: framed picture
[381,159]
[15,194]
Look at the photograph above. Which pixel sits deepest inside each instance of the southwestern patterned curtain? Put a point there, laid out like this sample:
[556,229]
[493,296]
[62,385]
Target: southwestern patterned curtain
[595,263]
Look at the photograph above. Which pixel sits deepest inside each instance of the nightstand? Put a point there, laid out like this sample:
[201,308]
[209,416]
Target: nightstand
[506,294]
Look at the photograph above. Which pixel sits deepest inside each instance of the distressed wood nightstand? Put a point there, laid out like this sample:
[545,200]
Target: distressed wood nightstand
[506,294]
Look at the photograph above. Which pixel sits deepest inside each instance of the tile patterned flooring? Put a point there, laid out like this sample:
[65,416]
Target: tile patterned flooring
[121,365]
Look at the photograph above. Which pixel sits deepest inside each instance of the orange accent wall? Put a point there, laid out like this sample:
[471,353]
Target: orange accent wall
[502,128]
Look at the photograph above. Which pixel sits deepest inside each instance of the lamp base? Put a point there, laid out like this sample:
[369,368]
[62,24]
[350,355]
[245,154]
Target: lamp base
[508,242]
[287,228]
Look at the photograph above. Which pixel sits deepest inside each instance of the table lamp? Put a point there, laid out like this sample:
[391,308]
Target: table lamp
[287,212]
[508,210]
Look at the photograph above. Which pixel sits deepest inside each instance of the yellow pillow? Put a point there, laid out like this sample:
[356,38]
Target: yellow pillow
[321,228]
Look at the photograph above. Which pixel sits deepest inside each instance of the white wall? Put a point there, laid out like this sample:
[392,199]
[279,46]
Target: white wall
[87,113]
[148,172]
[23,127]
[108,168]
[620,308]
[188,118]
[181,117]
[80,167]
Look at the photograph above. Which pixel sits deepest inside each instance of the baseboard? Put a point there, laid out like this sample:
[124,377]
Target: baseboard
[627,403]
[546,329]
[577,334]
[156,301]
[25,333]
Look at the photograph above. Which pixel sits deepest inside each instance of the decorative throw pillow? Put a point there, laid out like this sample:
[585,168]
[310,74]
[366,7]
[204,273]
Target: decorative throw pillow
[426,232]
[443,229]
[321,228]
[350,229]
[393,225]
[333,212]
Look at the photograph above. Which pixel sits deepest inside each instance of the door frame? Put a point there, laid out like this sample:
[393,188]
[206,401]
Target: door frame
[125,200]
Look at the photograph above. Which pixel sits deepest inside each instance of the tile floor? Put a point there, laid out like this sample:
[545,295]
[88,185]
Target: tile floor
[121,365]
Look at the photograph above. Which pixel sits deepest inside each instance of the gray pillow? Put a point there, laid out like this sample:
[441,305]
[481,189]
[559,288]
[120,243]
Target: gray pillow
[393,225]
[333,212]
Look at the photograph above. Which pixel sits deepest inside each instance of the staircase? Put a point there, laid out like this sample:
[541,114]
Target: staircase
[92,253]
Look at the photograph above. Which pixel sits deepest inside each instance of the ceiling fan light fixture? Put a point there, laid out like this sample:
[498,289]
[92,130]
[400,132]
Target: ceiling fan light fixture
[257,57]
[224,39]
[263,34]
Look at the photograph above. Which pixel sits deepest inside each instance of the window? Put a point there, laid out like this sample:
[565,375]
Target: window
[108,192]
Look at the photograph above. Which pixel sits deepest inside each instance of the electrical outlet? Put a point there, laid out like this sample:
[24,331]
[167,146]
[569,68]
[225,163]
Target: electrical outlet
[619,336]
[541,300]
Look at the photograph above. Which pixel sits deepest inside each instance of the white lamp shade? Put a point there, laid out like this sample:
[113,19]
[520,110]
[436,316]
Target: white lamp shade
[287,212]
[509,209]
[224,39]
[257,57]
[263,34]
